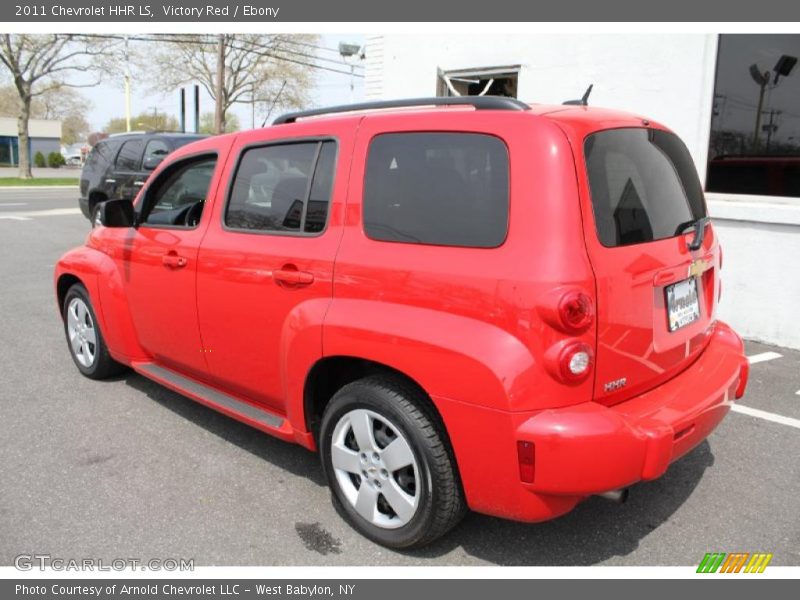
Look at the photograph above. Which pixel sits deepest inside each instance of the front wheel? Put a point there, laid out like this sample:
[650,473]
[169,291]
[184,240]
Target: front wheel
[387,462]
[84,338]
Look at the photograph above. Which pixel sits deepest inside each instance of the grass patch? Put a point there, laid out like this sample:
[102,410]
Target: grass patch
[43,181]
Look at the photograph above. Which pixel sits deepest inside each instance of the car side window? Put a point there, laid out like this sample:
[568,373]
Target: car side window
[444,189]
[283,188]
[100,154]
[130,156]
[155,150]
[178,196]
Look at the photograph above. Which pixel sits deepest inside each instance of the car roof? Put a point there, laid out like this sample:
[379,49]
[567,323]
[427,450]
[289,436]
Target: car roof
[576,117]
[127,135]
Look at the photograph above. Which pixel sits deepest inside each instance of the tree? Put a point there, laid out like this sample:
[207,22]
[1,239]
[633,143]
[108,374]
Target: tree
[207,124]
[258,68]
[146,121]
[39,64]
[64,104]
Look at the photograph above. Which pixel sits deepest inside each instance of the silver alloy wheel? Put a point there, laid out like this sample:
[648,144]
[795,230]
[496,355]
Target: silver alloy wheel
[375,468]
[81,332]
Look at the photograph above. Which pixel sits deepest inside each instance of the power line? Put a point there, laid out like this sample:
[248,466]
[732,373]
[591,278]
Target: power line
[171,38]
[283,49]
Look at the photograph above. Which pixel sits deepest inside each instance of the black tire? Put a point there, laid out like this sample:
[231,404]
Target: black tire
[103,366]
[441,501]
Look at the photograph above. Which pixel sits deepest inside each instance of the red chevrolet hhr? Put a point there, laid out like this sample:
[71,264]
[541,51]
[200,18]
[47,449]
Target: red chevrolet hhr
[460,302]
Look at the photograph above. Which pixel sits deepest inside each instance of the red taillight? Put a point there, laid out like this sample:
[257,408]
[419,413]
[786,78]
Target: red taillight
[575,362]
[526,453]
[575,311]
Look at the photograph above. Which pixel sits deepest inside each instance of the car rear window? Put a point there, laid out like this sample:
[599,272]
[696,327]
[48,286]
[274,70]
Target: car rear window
[447,189]
[643,184]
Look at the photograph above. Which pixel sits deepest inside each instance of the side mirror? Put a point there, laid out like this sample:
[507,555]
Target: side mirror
[151,162]
[114,213]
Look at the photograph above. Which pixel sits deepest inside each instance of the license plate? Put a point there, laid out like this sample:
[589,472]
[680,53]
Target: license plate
[683,306]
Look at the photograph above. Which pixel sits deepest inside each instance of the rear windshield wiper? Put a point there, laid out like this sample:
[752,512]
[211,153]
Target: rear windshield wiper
[699,227]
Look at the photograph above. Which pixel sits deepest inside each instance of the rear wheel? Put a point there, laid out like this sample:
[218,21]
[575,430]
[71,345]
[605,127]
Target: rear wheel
[84,338]
[390,470]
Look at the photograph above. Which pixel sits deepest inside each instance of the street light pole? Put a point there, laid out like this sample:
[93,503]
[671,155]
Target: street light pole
[127,78]
[219,113]
[757,130]
[350,51]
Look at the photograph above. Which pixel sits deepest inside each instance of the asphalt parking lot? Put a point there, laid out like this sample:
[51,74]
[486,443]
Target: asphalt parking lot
[126,468]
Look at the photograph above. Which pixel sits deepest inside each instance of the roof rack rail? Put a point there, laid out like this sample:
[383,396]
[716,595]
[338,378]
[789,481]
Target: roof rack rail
[479,102]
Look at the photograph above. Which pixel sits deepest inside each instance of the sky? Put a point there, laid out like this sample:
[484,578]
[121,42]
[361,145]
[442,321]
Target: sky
[108,98]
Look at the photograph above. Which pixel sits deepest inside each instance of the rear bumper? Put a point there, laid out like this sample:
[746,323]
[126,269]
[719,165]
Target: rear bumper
[590,448]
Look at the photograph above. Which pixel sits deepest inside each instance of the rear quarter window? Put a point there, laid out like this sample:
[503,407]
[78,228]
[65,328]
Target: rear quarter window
[446,189]
[643,185]
[101,155]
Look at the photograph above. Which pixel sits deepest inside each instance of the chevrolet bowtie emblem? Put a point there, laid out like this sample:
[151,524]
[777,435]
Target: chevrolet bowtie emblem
[698,267]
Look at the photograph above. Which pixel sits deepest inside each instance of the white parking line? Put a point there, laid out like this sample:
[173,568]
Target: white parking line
[53,212]
[14,218]
[767,416]
[763,357]
[13,204]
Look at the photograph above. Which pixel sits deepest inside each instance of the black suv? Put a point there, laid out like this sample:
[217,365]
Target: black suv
[119,165]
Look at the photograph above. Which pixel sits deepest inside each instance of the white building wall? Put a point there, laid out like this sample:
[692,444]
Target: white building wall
[37,128]
[668,78]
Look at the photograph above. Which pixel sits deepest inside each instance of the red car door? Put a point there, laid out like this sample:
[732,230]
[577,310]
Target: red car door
[159,261]
[265,266]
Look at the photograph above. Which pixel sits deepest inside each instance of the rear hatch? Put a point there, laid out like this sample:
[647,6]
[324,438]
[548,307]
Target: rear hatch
[656,297]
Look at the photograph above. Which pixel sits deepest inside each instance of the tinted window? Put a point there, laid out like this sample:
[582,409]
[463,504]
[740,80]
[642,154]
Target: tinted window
[447,189]
[754,146]
[130,155]
[643,185]
[178,190]
[321,188]
[177,142]
[101,155]
[156,149]
[285,187]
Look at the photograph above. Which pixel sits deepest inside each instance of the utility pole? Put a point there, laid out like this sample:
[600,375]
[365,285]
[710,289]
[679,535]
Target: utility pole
[771,127]
[757,130]
[127,78]
[219,113]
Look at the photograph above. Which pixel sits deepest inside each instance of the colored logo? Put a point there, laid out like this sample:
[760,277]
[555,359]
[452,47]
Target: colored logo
[736,562]
[698,267]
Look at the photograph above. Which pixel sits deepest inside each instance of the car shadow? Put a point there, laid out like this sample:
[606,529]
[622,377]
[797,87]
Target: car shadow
[595,531]
[291,457]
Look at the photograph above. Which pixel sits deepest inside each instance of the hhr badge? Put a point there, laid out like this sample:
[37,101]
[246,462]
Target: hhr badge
[613,386]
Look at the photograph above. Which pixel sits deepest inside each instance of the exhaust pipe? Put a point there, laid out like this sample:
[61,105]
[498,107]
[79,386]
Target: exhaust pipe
[618,496]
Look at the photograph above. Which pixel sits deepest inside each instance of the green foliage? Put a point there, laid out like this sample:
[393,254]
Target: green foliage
[207,123]
[55,160]
[146,121]
[38,160]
